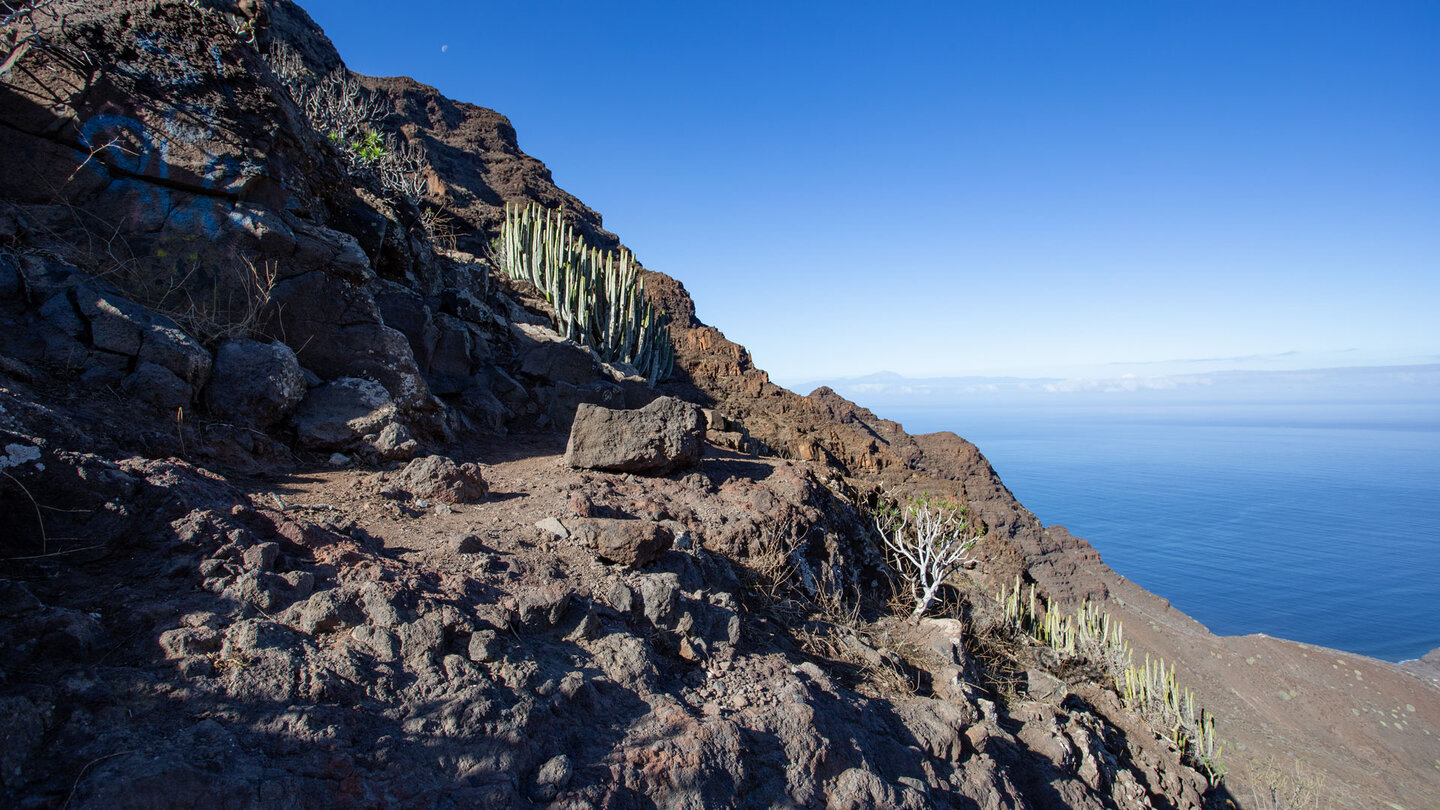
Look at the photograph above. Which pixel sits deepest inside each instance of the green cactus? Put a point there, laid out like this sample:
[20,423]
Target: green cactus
[1150,691]
[598,296]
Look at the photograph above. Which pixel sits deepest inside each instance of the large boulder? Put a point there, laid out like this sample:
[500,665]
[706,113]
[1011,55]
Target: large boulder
[663,436]
[253,383]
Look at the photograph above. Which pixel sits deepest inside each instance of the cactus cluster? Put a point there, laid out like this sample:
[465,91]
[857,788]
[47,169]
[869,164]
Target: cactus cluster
[1150,691]
[598,295]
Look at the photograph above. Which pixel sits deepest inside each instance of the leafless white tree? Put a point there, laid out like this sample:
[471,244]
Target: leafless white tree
[928,541]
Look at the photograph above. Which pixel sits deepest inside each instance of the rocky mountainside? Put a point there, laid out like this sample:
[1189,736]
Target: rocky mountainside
[290,519]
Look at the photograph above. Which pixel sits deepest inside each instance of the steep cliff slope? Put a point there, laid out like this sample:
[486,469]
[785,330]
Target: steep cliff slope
[1283,703]
[220,584]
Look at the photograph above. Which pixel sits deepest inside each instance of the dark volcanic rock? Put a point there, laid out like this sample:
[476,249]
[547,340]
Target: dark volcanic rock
[663,436]
[176,642]
[253,383]
[336,416]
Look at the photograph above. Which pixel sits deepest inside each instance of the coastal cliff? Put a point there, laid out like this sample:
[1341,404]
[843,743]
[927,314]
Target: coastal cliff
[289,522]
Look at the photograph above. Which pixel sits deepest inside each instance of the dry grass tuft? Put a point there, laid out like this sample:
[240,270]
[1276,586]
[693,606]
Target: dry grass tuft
[212,303]
[1276,788]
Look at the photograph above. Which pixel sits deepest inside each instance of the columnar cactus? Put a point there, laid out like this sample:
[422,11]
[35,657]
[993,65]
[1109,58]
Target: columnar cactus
[598,295]
[1150,691]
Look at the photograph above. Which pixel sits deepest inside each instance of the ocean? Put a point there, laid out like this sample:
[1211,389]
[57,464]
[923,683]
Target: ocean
[1314,523]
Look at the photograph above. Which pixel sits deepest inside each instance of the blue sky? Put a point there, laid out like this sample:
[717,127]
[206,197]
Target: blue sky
[996,188]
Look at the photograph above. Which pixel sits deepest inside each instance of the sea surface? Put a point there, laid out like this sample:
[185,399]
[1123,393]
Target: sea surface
[1312,523]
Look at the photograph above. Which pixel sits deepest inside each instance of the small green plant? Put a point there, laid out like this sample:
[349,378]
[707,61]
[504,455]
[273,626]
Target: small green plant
[598,295]
[349,115]
[927,539]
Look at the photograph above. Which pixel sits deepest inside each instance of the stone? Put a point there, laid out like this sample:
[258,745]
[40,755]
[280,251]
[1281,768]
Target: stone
[301,583]
[468,544]
[11,287]
[457,668]
[542,606]
[265,591]
[157,386]
[616,595]
[115,322]
[665,435]
[422,639]
[1041,685]
[59,311]
[587,627]
[166,345]
[562,399]
[626,660]
[484,646]
[189,641]
[17,369]
[394,443]
[441,479]
[452,355]
[382,643]
[17,454]
[547,355]
[254,384]
[338,415]
[197,666]
[404,310]
[324,612]
[714,420]
[553,526]
[261,557]
[625,542]
[16,599]
[481,407]
[379,609]
[69,631]
[336,325]
[659,594]
[554,775]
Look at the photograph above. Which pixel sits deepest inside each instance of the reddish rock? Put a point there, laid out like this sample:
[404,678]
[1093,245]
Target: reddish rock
[438,478]
[626,542]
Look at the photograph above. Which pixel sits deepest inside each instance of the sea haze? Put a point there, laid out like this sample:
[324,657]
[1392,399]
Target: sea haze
[1299,504]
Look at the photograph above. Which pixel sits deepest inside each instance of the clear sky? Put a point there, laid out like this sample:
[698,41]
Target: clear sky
[999,187]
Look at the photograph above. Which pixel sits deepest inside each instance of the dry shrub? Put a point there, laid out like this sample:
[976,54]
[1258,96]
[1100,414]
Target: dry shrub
[882,675]
[1276,788]
[442,229]
[211,302]
[773,564]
